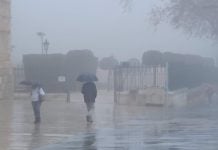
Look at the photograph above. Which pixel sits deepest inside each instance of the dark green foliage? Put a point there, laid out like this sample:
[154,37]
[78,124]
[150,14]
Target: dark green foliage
[185,71]
[78,62]
[191,75]
[187,59]
[134,62]
[108,63]
[46,69]
[152,58]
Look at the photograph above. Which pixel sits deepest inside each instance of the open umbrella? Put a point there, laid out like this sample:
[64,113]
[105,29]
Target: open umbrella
[88,77]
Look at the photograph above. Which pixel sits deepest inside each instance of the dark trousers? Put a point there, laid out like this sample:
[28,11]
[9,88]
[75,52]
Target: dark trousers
[36,110]
[90,106]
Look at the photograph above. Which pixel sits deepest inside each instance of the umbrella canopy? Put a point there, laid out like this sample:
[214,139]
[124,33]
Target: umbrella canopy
[87,78]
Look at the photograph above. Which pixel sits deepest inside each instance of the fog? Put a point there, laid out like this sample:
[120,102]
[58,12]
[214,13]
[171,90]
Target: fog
[101,26]
[112,78]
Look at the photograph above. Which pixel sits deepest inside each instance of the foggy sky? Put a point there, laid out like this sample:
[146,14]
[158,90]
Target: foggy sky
[99,25]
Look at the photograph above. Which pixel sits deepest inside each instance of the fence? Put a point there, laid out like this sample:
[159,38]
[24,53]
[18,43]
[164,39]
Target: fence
[134,79]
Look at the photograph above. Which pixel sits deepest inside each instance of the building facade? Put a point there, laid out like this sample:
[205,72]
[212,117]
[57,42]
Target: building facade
[6,80]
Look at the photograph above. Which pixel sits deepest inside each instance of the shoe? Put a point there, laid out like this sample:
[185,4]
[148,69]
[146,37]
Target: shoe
[37,121]
[89,119]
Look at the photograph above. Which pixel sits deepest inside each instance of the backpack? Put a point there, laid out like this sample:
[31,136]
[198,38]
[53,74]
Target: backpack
[41,97]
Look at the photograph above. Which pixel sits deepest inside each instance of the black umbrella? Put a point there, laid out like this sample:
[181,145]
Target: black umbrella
[88,77]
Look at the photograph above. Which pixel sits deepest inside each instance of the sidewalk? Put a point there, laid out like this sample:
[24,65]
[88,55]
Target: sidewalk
[123,127]
[59,120]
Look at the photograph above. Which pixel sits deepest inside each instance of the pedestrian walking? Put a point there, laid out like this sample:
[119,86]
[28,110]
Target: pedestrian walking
[37,97]
[89,92]
[209,92]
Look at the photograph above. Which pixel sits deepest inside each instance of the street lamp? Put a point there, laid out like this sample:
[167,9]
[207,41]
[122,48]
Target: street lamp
[46,45]
[41,35]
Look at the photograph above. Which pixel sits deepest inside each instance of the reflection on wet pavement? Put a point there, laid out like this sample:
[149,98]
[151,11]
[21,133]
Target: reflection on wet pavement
[115,127]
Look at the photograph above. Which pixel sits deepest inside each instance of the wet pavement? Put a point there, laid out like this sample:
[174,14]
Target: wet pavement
[123,127]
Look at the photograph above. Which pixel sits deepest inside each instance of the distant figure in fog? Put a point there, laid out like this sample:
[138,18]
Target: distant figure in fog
[37,97]
[209,92]
[89,92]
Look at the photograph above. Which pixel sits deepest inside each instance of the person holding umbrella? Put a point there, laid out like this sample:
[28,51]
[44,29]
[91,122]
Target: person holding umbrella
[37,96]
[89,92]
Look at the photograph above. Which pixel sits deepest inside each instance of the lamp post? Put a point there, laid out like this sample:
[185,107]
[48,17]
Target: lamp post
[46,45]
[41,35]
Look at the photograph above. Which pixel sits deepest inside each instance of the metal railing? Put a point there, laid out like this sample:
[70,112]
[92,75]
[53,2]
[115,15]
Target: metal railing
[139,78]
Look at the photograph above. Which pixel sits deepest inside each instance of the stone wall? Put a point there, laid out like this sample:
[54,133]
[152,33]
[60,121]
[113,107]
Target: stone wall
[6,83]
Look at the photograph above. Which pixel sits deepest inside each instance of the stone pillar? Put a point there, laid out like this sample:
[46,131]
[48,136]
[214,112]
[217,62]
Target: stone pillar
[6,76]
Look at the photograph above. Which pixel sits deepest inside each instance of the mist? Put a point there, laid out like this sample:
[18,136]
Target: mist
[104,27]
[108,74]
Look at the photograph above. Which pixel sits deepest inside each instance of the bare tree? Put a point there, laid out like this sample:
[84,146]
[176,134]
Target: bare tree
[126,4]
[196,17]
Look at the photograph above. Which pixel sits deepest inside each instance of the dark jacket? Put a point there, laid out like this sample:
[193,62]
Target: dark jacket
[89,92]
